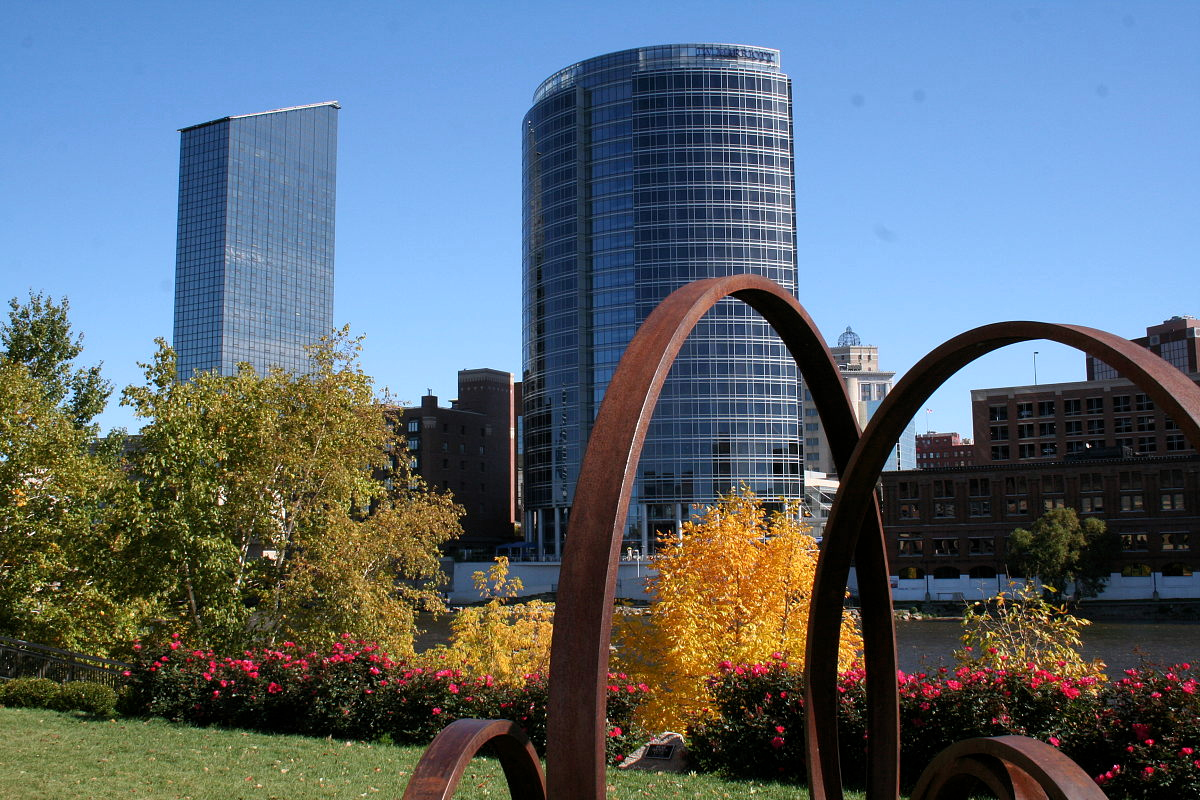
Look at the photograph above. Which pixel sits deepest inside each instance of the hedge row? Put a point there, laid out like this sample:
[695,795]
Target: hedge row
[90,698]
[353,691]
[1139,736]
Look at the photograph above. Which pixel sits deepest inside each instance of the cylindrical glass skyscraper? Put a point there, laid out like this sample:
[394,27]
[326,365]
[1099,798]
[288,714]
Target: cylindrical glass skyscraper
[644,170]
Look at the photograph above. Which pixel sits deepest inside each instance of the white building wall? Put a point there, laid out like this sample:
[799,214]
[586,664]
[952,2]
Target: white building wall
[541,577]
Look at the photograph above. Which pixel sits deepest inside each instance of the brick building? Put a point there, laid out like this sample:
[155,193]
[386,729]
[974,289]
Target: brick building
[469,448]
[948,528]
[937,450]
[1176,340]
[1105,413]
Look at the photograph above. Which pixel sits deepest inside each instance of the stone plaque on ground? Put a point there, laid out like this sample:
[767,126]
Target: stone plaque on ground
[663,753]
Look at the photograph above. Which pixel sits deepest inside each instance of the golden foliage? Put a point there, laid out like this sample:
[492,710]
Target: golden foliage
[736,587]
[1020,630]
[506,642]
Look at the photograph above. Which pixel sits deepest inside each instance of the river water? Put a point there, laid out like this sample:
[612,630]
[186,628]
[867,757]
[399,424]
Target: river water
[922,645]
[925,644]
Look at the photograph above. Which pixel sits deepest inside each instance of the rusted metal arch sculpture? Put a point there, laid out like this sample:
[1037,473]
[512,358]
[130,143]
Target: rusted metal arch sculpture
[575,761]
[1165,384]
[442,764]
[587,581]
[1010,766]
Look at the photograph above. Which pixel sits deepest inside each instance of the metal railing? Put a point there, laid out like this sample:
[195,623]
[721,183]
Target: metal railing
[20,659]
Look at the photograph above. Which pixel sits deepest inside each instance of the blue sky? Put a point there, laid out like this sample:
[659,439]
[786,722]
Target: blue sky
[957,163]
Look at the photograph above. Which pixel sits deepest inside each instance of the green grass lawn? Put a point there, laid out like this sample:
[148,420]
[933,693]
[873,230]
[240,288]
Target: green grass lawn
[45,755]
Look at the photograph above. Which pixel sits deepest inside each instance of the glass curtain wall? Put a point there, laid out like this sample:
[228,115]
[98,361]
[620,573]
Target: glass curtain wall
[644,170]
[254,265]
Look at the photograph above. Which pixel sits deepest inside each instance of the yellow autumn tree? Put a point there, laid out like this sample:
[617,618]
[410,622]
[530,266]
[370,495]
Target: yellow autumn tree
[504,641]
[735,587]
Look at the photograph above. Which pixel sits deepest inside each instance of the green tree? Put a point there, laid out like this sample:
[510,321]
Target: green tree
[1060,548]
[61,582]
[38,336]
[280,506]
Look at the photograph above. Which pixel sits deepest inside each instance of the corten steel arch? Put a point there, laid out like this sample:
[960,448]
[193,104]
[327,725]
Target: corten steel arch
[1177,395]
[583,614]
[587,581]
[1015,767]
[442,764]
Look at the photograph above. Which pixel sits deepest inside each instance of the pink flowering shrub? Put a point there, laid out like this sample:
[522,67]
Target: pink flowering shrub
[970,701]
[1139,736]
[756,728]
[1152,735]
[352,690]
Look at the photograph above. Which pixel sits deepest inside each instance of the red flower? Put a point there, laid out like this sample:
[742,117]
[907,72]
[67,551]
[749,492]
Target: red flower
[777,742]
[614,733]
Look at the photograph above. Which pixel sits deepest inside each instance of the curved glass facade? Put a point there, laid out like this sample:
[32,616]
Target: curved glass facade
[644,170]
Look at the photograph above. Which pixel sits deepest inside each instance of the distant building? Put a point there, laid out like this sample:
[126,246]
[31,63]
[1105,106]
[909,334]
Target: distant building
[1176,340]
[1099,446]
[1106,414]
[948,529]
[469,449]
[867,385]
[819,491]
[939,450]
[254,258]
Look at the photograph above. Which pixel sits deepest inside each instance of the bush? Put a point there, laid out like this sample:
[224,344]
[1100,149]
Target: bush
[756,727]
[28,692]
[1151,735]
[1139,736]
[951,705]
[352,691]
[95,699]
[1021,627]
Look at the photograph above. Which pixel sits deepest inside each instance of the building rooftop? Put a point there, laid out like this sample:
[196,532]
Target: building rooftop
[333,103]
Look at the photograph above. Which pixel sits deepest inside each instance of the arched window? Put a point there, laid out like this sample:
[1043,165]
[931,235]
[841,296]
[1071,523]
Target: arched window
[980,573]
[946,573]
[1135,571]
[1177,570]
[911,573]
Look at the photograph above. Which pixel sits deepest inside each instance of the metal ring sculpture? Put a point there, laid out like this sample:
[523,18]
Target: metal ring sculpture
[442,764]
[1015,767]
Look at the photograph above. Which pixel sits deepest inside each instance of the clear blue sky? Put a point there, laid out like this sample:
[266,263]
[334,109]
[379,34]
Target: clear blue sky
[957,163]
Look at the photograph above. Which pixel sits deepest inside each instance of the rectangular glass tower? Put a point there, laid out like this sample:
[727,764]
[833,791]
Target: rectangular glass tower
[254,259]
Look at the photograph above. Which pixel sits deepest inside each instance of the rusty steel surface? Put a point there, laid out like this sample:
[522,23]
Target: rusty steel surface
[587,582]
[1012,767]
[1015,767]
[437,774]
[1164,383]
